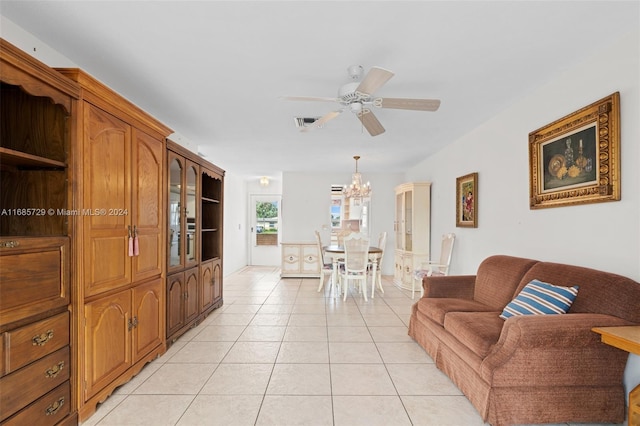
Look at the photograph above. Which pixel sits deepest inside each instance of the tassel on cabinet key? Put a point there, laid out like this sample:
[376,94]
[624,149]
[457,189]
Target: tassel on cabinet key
[136,247]
[130,243]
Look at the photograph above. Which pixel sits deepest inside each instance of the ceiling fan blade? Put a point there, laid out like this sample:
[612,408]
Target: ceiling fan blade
[411,104]
[308,98]
[370,122]
[375,79]
[320,121]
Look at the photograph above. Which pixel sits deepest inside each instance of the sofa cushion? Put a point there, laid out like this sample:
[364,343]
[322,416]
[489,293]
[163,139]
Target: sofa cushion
[478,331]
[540,298]
[600,292]
[436,308]
[498,278]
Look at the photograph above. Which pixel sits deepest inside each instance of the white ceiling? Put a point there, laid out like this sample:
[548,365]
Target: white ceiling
[213,70]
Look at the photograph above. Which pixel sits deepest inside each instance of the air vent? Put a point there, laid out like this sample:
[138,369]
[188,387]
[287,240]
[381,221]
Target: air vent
[305,121]
[336,189]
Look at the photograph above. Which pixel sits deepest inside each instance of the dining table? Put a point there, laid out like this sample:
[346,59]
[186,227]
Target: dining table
[337,252]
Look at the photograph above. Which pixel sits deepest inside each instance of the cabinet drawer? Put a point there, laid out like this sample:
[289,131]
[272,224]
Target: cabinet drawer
[46,411]
[34,276]
[31,382]
[31,342]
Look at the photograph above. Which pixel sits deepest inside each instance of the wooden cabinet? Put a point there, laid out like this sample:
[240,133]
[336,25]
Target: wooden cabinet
[107,341]
[194,239]
[183,213]
[211,278]
[300,260]
[182,300]
[148,318]
[211,213]
[34,276]
[120,232]
[412,230]
[120,330]
[38,108]
[122,183]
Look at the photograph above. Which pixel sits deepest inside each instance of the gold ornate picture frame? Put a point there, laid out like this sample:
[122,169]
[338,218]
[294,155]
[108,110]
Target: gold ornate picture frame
[467,201]
[576,159]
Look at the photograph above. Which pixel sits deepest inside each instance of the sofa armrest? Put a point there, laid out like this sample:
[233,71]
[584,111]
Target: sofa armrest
[456,286]
[554,350]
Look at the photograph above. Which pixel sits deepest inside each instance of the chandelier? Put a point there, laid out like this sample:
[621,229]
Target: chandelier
[356,189]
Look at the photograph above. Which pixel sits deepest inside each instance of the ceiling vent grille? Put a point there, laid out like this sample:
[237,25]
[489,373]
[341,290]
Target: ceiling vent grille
[302,122]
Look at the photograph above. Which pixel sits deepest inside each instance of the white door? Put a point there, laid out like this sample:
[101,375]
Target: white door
[264,229]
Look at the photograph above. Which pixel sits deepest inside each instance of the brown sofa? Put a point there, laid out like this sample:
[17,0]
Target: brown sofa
[530,368]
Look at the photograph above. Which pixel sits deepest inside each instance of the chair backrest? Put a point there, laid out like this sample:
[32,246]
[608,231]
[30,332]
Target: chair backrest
[356,253]
[320,249]
[382,242]
[446,250]
[342,234]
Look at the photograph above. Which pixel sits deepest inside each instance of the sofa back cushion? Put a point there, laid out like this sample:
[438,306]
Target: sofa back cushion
[497,279]
[600,292]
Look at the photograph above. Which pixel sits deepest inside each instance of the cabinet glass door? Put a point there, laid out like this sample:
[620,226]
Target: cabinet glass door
[175,214]
[399,222]
[408,220]
[190,213]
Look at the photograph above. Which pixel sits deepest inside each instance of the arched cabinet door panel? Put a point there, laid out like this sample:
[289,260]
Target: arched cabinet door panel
[191,297]
[147,205]
[106,183]
[148,317]
[175,302]
[107,340]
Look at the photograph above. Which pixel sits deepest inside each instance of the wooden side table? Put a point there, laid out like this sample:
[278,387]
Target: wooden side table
[627,339]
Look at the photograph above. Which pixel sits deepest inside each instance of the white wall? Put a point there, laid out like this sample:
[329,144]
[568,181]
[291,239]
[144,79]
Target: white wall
[32,45]
[306,206]
[603,236]
[235,224]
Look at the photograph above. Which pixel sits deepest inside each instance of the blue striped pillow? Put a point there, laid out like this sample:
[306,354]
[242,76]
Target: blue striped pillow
[538,298]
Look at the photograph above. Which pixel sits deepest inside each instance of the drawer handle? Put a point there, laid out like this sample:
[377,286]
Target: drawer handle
[43,338]
[9,244]
[55,407]
[54,371]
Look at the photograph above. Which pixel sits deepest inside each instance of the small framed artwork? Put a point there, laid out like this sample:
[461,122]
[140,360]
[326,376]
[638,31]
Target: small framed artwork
[576,159]
[467,201]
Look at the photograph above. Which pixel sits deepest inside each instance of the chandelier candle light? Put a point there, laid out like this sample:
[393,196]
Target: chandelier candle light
[356,189]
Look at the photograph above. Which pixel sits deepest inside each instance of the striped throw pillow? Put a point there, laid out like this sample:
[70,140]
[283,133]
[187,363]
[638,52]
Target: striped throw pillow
[539,298]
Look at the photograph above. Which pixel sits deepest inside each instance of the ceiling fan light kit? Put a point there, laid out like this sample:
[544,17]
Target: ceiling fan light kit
[357,97]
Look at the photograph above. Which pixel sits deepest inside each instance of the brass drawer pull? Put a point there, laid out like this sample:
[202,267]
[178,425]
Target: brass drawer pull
[43,338]
[55,370]
[9,244]
[55,407]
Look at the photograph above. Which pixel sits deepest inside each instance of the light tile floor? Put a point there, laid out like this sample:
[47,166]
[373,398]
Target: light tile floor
[280,353]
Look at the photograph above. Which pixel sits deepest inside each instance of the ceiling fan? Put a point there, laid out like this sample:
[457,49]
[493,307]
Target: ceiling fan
[358,98]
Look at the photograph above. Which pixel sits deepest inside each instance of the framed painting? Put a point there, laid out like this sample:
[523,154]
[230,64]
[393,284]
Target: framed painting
[576,159]
[467,201]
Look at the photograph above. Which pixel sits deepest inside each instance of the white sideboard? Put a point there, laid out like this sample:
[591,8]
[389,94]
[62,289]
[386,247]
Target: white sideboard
[300,260]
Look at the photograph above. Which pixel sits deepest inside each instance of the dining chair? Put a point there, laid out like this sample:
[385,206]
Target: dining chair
[382,242]
[356,260]
[342,234]
[326,269]
[431,268]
